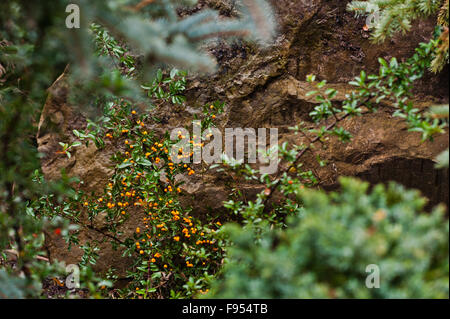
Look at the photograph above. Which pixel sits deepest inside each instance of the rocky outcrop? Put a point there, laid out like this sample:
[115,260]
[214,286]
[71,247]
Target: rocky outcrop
[266,88]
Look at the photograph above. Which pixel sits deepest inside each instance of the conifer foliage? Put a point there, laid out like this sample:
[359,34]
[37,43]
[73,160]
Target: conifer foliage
[394,16]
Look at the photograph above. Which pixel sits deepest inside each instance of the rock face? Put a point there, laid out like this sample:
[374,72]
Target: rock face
[265,89]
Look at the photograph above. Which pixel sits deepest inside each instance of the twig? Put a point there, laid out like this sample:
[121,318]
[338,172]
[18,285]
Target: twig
[15,253]
[142,4]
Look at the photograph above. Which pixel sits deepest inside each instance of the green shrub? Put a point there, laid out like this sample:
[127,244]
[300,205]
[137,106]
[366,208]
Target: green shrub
[35,47]
[324,251]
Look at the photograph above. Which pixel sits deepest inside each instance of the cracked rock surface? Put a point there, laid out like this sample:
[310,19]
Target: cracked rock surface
[266,89]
